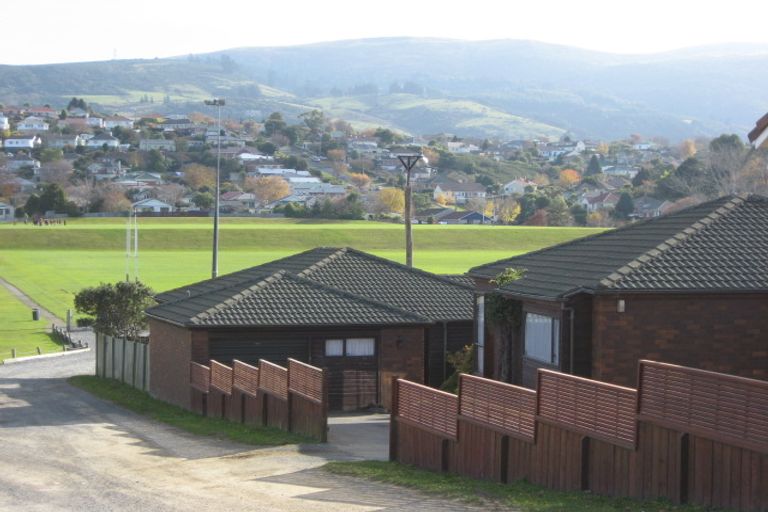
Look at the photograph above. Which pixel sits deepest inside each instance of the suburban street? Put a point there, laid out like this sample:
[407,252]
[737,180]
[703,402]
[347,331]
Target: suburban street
[63,449]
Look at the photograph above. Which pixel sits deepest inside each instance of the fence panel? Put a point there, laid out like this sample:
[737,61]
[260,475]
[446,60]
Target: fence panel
[500,406]
[221,377]
[273,379]
[596,409]
[428,408]
[200,377]
[721,407]
[308,400]
[100,355]
[246,378]
[123,360]
[305,380]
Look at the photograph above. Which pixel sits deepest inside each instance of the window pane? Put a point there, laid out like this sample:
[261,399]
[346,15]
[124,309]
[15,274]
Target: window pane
[334,347]
[556,341]
[360,347]
[538,337]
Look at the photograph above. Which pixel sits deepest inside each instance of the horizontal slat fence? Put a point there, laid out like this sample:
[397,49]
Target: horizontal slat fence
[686,435]
[292,399]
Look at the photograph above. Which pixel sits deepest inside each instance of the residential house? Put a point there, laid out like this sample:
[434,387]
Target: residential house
[518,187]
[228,139]
[157,144]
[759,133]
[26,142]
[101,140]
[62,141]
[283,173]
[621,170]
[464,217]
[647,207]
[238,201]
[177,124]
[461,148]
[152,206]
[23,160]
[316,188]
[77,113]
[22,185]
[687,288]
[431,215]
[4,124]
[301,179]
[43,112]
[78,124]
[594,201]
[362,318]
[95,121]
[457,192]
[554,151]
[7,212]
[32,124]
[117,121]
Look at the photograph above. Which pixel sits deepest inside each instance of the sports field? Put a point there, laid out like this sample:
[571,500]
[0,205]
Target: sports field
[51,263]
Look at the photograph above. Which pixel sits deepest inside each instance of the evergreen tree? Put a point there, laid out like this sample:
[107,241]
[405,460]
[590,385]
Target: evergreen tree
[625,206]
[593,167]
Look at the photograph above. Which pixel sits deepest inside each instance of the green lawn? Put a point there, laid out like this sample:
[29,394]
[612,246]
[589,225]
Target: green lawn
[141,403]
[19,331]
[52,263]
[518,496]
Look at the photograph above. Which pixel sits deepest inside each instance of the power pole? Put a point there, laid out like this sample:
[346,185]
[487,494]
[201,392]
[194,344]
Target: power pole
[216,102]
[409,162]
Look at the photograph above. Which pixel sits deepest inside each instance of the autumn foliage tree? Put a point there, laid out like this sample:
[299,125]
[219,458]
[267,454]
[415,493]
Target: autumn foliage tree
[390,200]
[267,188]
[569,177]
[199,176]
[360,180]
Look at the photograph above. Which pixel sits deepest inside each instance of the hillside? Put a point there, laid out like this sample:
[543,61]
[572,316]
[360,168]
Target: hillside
[490,88]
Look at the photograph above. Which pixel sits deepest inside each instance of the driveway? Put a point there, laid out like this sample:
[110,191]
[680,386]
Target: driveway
[63,449]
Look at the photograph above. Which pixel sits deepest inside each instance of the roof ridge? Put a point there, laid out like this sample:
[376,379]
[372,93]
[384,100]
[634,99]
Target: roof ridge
[678,238]
[413,270]
[591,237]
[338,251]
[245,292]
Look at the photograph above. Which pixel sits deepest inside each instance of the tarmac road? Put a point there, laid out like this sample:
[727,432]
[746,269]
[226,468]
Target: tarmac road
[63,449]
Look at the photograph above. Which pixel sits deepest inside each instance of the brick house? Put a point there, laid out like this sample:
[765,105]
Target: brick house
[688,288]
[363,318]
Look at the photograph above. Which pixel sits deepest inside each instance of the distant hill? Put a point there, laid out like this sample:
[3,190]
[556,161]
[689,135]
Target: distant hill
[501,88]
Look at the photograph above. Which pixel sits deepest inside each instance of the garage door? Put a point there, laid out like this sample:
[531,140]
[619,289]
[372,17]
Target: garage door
[275,349]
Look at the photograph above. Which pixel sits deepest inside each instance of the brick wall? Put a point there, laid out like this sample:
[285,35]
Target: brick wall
[402,354]
[722,333]
[171,349]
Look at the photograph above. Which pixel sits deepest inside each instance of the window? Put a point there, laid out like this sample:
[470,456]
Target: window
[334,348]
[350,347]
[360,347]
[542,338]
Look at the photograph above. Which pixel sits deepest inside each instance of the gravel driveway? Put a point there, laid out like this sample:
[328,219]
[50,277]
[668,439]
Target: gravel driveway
[63,449]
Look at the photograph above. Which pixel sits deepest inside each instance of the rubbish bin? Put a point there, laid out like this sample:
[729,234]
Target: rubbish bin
[35,314]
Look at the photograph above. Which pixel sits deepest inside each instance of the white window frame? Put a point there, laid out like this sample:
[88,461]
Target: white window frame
[345,347]
[552,355]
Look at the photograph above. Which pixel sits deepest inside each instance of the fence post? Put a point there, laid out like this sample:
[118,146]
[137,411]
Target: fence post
[324,435]
[393,434]
[13,353]
[585,462]
[242,407]
[289,398]
[264,408]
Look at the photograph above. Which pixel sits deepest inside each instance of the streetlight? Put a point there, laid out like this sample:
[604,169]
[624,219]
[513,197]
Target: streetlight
[409,162]
[218,103]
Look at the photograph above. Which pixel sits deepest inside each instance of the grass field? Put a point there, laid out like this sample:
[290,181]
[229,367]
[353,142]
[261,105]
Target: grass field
[18,330]
[52,263]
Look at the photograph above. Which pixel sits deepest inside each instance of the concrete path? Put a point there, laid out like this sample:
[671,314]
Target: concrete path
[63,449]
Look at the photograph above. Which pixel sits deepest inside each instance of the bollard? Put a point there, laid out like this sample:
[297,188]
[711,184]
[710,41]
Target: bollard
[13,353]
[35,314]
[38,351]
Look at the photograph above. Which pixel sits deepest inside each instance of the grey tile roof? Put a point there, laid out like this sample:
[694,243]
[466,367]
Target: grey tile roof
[721,245]
[355,274]
[281,299]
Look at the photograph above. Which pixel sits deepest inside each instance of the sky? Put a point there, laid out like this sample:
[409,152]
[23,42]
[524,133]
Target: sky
[48,31]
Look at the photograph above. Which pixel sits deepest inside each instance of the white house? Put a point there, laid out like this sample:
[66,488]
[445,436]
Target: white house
[32,124]
[157,144]
[461,148]
[152,206]
[620,170]
[62,141]
[21,142]
[459,193]
[99,141]
[4,124]
[21,161]
[518,186]
[44,112]
[95,122]
[117,121]
[6,212]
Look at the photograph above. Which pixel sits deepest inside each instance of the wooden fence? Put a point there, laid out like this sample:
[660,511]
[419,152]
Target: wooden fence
[293,398]
[686,435]
[124,360]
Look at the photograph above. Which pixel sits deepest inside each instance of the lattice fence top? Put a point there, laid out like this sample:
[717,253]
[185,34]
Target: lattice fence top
[221,377]
[273,379]
[722,407]
[200,377]
[428,407]
[504,407]
[305,380]
[246,377]
[596,409]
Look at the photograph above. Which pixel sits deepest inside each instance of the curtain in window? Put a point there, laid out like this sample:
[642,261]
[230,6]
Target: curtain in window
[359,347]
[334,347]
[539,337]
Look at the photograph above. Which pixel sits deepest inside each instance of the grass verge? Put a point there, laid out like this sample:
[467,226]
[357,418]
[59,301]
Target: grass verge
[141,403]
[19,332]
[518,495]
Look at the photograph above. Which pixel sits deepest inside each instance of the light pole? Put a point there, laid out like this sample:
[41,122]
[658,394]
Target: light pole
[218,103]
[409,162]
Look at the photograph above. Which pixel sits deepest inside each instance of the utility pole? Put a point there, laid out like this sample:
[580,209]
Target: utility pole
[409,162]
[218,103]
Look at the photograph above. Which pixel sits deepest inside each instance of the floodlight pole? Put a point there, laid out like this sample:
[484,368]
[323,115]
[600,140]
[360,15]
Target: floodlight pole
[409,162]
[218,103]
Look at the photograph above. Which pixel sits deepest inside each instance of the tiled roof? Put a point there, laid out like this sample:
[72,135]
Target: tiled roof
[355,274]
[721,245]
[281,299]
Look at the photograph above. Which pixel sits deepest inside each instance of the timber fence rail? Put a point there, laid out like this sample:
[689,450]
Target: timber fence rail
[293,398]
[686,435]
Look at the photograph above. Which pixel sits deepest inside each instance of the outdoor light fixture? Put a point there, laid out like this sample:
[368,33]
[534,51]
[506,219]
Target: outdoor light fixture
[409,161]
[218,103]
[621,306]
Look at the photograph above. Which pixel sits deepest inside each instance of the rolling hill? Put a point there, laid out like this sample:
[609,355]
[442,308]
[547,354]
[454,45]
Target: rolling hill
[503,88]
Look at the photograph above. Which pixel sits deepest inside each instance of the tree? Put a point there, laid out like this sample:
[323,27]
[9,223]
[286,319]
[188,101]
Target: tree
[117,309]
[267,188]
[53,199]
[569,177]
[687,148]
[360,180]
[390,200]
[558,213]
[171,193]
[274,124]
[641,177]
[315,121]
[268,148]
[199,176]
[593,167]
[156,161]
[727,156]
[507,210]
[503,318]
[625,206]
[203,200]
